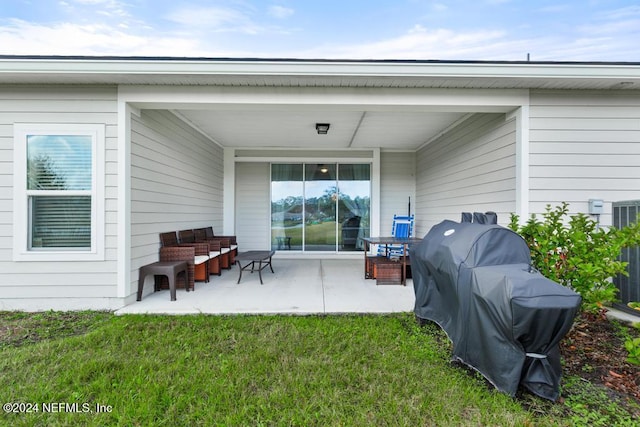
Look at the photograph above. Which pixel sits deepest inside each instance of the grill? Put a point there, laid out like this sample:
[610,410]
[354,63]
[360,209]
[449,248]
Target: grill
[504,319]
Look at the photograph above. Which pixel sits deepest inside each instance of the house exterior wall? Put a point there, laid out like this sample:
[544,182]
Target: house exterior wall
[581,145]
[176,183]
[584,145]
[42,285]
[469,169]
[253,206]
[397,185]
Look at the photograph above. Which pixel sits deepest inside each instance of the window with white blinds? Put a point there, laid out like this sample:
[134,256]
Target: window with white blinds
[59,187]
[60,193]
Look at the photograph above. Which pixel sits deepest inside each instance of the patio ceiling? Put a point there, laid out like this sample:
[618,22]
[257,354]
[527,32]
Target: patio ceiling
[251,128]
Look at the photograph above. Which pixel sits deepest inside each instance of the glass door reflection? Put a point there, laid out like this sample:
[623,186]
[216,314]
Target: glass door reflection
[287,195]
[354,182]
[320,192]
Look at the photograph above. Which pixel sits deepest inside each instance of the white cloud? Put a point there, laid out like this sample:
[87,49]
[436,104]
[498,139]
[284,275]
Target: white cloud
[94,2]
[280,12]
[215,19]
[24,38]
[420,43]
[623,22]
[623,13]
[447,44]
[555,8]
[439,7]
[107,8]
[205,22]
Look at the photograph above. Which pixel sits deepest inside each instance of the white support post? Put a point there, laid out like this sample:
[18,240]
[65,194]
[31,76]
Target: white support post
[229,192]
[521,116]
[124,200]
[375,193]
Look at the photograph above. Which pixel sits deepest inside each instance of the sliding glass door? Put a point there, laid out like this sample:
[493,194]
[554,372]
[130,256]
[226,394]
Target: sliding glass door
[319,206]
[320,193]
[353,206]
[287,206]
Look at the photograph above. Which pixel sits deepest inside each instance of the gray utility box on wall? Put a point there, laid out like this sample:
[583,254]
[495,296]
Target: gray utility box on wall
[625,213]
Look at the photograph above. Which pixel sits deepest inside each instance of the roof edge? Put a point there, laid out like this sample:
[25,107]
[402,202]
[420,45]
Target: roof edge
[302,60]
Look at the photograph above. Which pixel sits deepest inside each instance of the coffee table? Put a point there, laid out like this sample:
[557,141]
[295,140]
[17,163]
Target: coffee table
[263,258]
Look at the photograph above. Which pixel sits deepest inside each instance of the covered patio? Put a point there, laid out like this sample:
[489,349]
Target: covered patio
[297,286]
[186,143]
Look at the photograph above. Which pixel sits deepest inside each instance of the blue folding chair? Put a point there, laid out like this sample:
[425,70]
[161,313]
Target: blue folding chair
[402,227]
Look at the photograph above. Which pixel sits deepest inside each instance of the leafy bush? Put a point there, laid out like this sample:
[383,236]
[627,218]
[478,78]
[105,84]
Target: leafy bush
[577,253]
[632,345]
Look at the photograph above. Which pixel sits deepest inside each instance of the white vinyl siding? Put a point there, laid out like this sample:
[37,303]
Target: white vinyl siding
[469,169]
[67,284]
[397,185]
[584,145]
[253,207]
[176,183]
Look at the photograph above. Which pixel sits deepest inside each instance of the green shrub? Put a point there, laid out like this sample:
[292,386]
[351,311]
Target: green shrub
[632,345]
[577,253]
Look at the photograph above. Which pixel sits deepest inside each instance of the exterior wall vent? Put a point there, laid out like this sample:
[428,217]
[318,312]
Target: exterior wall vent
[625,213]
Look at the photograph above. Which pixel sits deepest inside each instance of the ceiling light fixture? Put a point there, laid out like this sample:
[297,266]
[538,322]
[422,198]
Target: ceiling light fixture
[322,128]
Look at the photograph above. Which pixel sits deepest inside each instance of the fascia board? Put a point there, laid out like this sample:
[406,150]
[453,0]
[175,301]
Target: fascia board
[166,67]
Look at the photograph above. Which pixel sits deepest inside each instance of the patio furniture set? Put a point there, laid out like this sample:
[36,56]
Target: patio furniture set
[392,264]
[203,253]
[191,255]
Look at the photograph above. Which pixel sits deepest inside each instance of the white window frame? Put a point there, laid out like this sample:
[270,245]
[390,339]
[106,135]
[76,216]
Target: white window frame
[21,220]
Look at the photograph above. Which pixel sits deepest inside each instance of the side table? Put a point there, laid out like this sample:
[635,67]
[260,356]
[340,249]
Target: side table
[171,269]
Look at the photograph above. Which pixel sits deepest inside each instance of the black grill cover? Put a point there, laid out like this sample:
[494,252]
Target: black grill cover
[504,319]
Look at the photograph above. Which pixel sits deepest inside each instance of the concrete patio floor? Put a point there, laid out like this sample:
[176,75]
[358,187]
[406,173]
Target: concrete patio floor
[298,286]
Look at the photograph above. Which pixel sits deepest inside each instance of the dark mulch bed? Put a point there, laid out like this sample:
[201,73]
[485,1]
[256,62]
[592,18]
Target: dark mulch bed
[20,328]
[594,350]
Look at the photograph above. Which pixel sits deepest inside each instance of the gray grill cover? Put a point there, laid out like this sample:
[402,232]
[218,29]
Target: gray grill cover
[504,320]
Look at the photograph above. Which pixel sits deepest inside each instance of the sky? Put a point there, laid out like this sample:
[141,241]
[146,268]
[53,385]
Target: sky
[492,30]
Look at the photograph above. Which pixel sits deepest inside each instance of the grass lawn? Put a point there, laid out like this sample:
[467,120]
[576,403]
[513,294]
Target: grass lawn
[356,370]
[316,234]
